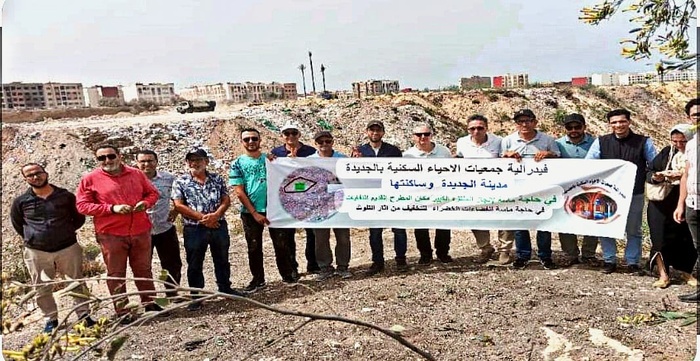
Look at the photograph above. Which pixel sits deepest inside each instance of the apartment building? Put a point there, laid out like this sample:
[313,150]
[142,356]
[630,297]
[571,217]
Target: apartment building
[94,95]
[241,92]
[159,93]
[374,87]
[642,78]
[18,95]
[475,82]
[511,81]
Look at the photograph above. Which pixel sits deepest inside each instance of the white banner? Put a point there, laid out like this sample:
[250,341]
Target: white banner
[585,197]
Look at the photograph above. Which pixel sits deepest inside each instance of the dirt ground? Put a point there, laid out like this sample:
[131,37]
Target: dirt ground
[457,311]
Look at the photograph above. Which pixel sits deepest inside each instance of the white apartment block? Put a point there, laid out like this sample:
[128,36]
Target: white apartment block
[370,87]
[18,95]
[241,92]
[642,78]
[94,94]
[516,80]
[159,93]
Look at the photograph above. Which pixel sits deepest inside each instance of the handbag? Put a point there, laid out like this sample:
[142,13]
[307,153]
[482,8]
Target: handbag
[659,191]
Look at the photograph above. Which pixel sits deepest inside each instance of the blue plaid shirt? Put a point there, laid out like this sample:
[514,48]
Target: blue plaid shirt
[158,214]
[204,198]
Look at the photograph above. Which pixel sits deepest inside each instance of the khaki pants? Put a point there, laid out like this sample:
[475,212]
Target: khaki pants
[483,240]
[42,268]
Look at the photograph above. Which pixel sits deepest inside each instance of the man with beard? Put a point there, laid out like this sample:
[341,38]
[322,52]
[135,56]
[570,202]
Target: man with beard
[163,235]
[248,176]
[117,197]
[202,199]
[377,148]
[575,144]
[46,217]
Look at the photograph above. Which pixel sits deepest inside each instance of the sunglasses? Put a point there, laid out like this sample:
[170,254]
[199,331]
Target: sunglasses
[33,175]
[251,139]
[290,132]
[326,141]
[426,134]
[103,158]
[573,127]
[475,128]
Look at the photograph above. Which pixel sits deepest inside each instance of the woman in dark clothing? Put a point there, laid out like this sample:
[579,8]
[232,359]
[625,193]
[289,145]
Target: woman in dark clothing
[671,243]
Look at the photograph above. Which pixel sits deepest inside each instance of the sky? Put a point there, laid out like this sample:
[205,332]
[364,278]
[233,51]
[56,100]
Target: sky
[421,43]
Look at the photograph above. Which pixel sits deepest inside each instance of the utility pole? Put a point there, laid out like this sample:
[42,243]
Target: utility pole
[313,82]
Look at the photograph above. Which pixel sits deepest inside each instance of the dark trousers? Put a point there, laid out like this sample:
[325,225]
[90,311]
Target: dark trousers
[197,239]
[523,245]
[254,238]
[168,248]
[377,244]
[442,242]
[309,252]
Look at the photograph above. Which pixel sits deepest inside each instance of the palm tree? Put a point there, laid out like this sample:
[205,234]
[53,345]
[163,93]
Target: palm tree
[323,75]
[313,82]
[302,67]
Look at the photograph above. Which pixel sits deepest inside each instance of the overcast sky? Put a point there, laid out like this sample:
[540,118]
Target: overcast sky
[421,43]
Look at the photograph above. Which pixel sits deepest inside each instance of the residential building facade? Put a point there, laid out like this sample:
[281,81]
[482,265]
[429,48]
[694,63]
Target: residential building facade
[643,78]
[95,94]
[241,92]
[475,82]
[158,93]
[20,96]
[374,87]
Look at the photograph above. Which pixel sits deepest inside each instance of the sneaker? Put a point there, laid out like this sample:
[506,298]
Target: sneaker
[568,262]
[126,319]
[344,273]
[194,306]
[445,259]
[636,270]
[324,275]
[547,263]
[313,270]
[50,326]
[401,264]
[153,307]
[374,269]
[291,278]
[520,263]
[425,259]
[609,268]
[234,292]
[254,286]
[89,322]
[504,258]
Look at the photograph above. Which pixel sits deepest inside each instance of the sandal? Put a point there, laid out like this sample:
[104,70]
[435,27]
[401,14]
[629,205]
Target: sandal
[689,279]
[661,283]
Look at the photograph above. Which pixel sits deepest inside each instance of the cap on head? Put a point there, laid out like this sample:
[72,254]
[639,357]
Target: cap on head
[574,118]
[288,126]
[524,113]
[197,153]
[323,133]
[375,123]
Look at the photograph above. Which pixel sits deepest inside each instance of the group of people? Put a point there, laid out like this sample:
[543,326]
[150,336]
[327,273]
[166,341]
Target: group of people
[133,210]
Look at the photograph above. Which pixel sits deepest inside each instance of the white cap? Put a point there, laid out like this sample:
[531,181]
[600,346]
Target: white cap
[289,125]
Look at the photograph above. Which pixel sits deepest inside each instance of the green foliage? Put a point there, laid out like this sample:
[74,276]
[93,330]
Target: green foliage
[559,116]
[662,26]
[451,88]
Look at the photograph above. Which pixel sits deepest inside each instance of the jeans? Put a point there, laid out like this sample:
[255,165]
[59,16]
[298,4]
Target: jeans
[168,248]
[116,250]
[569,244]
[310,251]
[633,230]
[197,239]
[442,242]
[254,238]
[523,245]
[377,244]
[691,217]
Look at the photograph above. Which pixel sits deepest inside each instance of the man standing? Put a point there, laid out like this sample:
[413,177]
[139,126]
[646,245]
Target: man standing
[688,200]
[624,144]
[202,199]
[324,255]
[46,218]
[248,176]
[425,148]
[163,235]
[117,197]
[527,142]
[377,148]
[575,144]
[482,144]
[292,147]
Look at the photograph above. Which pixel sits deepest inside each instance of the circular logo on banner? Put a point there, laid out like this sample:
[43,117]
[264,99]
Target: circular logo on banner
[306,195]
[595,206]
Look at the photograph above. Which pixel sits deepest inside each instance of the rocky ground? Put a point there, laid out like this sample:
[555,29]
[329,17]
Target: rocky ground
[454,311]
